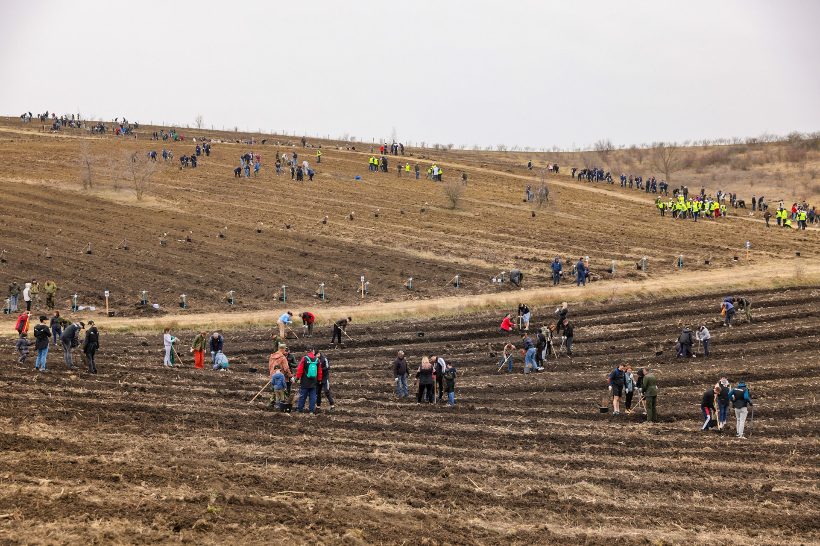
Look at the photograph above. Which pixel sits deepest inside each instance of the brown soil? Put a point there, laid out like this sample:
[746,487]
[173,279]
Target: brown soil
[143,454]
[491,231]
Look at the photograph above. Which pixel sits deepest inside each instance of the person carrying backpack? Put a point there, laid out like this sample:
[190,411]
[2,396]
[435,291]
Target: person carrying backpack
[324,384]
[309,377]
[424,376]
[741,400]
[450,385]
[22,324]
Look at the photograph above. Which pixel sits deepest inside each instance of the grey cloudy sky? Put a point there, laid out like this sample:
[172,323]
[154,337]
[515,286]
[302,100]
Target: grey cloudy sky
[533,73]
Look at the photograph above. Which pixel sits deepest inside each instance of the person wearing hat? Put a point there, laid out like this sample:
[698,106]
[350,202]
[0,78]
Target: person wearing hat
[198,348]
[71,339]
[91,343]
[279,360]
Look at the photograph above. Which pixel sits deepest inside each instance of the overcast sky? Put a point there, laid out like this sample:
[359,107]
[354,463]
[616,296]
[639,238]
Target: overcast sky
[532,73]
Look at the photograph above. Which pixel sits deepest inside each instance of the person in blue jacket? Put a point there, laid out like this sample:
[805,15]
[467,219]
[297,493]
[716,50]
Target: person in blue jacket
[556,271]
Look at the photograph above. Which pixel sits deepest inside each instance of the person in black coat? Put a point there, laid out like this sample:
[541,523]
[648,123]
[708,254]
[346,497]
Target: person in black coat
[42,337]
[424,375]
[568,333]
[90,345]
[707,407]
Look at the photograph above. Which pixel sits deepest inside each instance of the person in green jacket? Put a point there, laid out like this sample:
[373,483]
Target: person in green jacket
[650,392]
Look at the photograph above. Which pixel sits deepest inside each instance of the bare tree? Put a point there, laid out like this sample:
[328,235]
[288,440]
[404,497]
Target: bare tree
[542,192]
[138,171]
[86,160]
[453,191]
[198,121]
[667,158]
[604,148]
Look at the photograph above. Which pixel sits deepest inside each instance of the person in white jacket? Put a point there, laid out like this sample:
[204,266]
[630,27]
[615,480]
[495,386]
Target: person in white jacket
[27,296]
[704,336]
[168,340]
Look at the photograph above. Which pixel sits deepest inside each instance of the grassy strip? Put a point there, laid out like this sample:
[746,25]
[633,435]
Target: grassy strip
[729,280]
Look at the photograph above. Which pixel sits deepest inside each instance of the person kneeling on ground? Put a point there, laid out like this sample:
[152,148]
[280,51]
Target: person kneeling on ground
[221,362]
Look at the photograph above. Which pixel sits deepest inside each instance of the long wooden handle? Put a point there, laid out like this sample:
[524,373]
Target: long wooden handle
[260,392]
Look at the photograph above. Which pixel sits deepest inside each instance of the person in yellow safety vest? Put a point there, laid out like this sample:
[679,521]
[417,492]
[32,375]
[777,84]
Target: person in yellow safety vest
[318,156]
[801,219]
[660,205]
[723,210]
[787,222]
[779,215]
[407,167]
[430,172]
[715,207]
[440,172]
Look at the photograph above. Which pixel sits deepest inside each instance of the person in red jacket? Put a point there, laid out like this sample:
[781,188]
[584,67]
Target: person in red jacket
[23,322]
[506,324]
[309,376]
[308,319]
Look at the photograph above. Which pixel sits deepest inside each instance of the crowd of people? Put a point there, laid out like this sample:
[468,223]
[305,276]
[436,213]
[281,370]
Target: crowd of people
[301,383]
[683,205]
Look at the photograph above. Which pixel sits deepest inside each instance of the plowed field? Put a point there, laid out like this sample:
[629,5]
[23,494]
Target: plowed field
[140,453]
[491,230]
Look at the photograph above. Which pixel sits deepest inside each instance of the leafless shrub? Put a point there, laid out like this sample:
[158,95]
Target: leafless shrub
[86,160]
[794,154]
[739,164]
[138,171]
[453,191]
[198,121]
